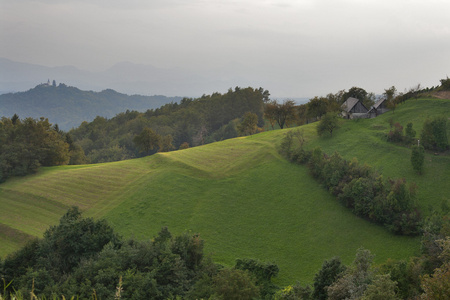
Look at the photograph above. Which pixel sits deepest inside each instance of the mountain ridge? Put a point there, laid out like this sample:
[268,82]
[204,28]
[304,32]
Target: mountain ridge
[69,106]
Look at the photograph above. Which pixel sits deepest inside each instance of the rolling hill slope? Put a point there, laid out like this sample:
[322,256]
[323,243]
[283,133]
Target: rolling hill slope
[243,198]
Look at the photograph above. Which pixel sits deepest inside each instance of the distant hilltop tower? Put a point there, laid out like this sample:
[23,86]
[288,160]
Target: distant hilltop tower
[48,83]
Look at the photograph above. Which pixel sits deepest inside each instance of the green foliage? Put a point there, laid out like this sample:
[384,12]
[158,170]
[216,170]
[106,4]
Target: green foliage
[354,282]
[381,288]
[437,285]
[147,140]
[445,84]
[282,114]
[235,284]
[396,135]
[74,239]
[317,107]
[248,125]
[263,272]
[417,158]
[406,275]
[165,143]
[27,144]
[328,123]
[293,138]
[80,256]
[194,121]
[356,92]
[410,133]
[185,145]
[390,95]
[327,275]
[293,292]
[434,134]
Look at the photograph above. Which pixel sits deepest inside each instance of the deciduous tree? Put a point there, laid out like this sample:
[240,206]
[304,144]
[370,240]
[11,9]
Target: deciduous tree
[390,94]
[235,284]
[281,113]
[249,124]
[326,276]
[356,92]
[317,107]
[147,140]
[328,123]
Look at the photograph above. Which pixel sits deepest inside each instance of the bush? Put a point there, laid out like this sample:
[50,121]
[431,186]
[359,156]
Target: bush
[235,284]
[445,84]
[410,133]
[417,158]
[434,134]
[396,135]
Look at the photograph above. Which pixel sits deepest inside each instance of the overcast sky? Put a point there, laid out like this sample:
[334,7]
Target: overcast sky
[292,48]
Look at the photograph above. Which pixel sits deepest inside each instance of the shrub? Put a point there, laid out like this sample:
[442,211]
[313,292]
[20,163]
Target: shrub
[410,133]
[417,158]
[235,284]
[434,134]
[396,135]
[445,84]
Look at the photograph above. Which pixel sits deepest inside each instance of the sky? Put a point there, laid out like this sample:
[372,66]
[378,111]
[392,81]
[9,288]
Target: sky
[300,48]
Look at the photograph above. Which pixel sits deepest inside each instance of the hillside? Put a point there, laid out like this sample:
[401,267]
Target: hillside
[69,106]
[243,198]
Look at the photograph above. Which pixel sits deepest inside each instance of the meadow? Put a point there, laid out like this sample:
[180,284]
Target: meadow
[240,195]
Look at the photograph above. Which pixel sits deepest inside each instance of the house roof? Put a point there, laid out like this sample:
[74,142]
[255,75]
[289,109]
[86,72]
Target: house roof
[377,104]
[349,104]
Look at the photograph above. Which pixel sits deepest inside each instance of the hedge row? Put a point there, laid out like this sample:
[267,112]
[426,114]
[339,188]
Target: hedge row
[389,202]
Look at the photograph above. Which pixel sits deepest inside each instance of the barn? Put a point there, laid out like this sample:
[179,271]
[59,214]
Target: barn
[353,108]
[380,107]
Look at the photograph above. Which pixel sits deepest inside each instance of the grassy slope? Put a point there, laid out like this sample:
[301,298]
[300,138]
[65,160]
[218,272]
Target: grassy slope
[364,139]
[240,195]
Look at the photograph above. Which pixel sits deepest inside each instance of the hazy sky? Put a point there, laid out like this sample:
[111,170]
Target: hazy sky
[292,48]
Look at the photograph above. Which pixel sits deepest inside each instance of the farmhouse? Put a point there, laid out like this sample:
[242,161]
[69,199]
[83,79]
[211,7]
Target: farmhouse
[380,107]
[352,108]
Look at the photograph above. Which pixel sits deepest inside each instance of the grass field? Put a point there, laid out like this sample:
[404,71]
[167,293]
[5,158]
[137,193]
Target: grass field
[243,198]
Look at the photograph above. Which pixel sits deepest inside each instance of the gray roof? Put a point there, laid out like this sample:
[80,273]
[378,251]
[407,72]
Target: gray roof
[377,104]
[349,104]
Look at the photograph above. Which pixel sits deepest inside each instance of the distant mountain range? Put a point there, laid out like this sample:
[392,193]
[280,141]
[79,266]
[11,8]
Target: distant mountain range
[126,77]
[69,106]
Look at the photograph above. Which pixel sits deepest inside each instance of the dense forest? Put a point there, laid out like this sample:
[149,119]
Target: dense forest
[26,144]
[191,122]
[85,258]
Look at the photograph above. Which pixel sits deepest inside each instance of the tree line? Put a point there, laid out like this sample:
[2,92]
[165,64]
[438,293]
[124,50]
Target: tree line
[27,144]
[191,122]
[84,258]
[68,106]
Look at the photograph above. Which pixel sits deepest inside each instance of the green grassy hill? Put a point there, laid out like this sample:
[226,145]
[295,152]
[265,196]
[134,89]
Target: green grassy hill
[243,198]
